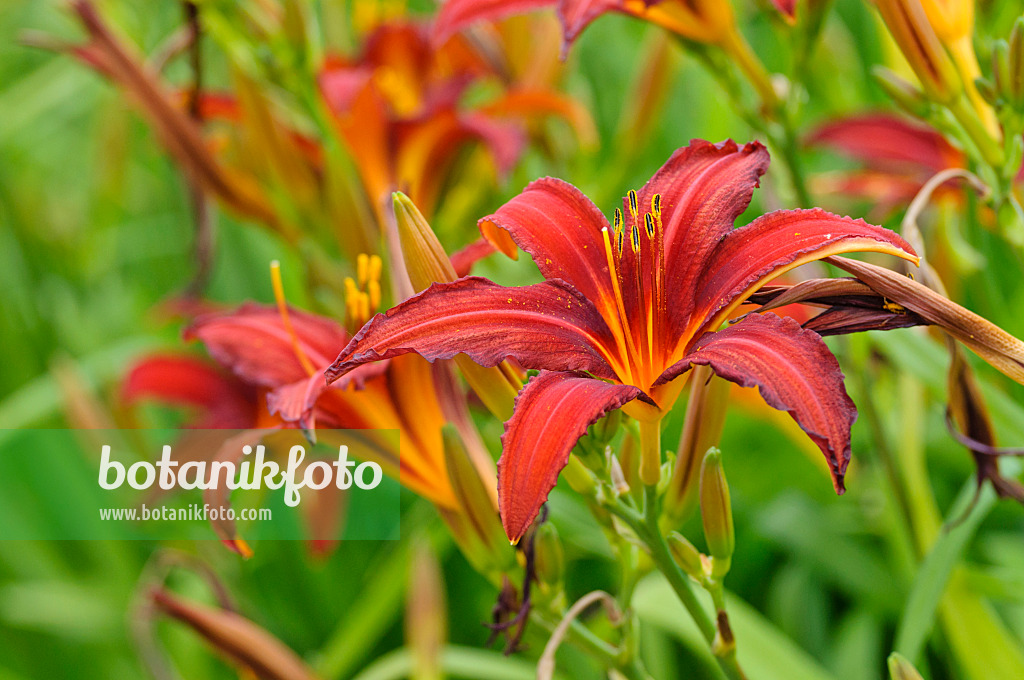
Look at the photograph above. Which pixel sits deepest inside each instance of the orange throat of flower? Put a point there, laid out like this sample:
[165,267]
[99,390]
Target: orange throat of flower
[636,314]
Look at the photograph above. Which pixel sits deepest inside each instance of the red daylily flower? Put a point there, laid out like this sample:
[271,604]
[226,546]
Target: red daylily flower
[397,106]
[707,21]
[628,307]
[898,155]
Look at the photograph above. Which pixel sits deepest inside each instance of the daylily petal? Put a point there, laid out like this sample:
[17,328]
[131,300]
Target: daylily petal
[456,15]
[547,325]
[561,229]
[795,372]
[576,15]
[845,320]
[253,342]
[704,187]
[787,8]
[890,142]
[775,243]
[188,381]
[294,402]
[463,260]
[552,412]
[531,103]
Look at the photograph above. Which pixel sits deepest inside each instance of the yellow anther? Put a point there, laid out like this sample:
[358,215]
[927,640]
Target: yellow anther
[656,206]
[362,268]
[373,290]
[350,288]
[636,239]
[375,268]
[286,321]
[634,210]
[649,225]
[617,221]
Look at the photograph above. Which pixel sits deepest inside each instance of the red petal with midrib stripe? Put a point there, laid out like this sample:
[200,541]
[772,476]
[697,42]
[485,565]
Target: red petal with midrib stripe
[552,412]
[547,325]
[774,243]
[795,372]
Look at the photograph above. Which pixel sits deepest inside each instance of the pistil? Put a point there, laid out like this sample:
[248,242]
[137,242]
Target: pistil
[286,320]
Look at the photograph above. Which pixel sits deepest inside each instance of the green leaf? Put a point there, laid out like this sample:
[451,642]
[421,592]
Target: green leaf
[458,662]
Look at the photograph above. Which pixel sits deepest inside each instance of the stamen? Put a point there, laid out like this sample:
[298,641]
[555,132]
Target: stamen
[634,210]
[659,266]
[617,221]
[373,290]
[619,238]
[649,225]
[621,336]
[635,242]
[362,268]
[286,321]
[374,268]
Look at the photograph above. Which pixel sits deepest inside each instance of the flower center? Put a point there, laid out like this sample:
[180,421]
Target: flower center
[637,278]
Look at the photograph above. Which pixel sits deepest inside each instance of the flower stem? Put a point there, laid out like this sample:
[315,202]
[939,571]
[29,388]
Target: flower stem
[683,587]
[990,150]
[646,527]
[650,451]
[739,49]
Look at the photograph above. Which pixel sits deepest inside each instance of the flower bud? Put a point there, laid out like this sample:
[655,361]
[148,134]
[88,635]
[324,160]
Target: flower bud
[952,20]
[908,23]
[901,669]
[475,525]
[716,513]
[240,640]
[549,558]
[686,555]
[580,479]
[1016,65]
[905,95]
[702,429]
[427,263]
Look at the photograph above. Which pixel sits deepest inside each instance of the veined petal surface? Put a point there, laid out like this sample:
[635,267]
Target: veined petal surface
[547,325]
[552,412]
[795,372]
[775,243]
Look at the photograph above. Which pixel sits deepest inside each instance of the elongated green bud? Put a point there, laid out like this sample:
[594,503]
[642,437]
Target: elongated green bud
[475,524]
[702,429]
[908,23]
[904,94]
[549,558]
[686,555]
[580,479]
[1001,66]
[427,263]
[901,669]
[1015,66]
[716,513]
